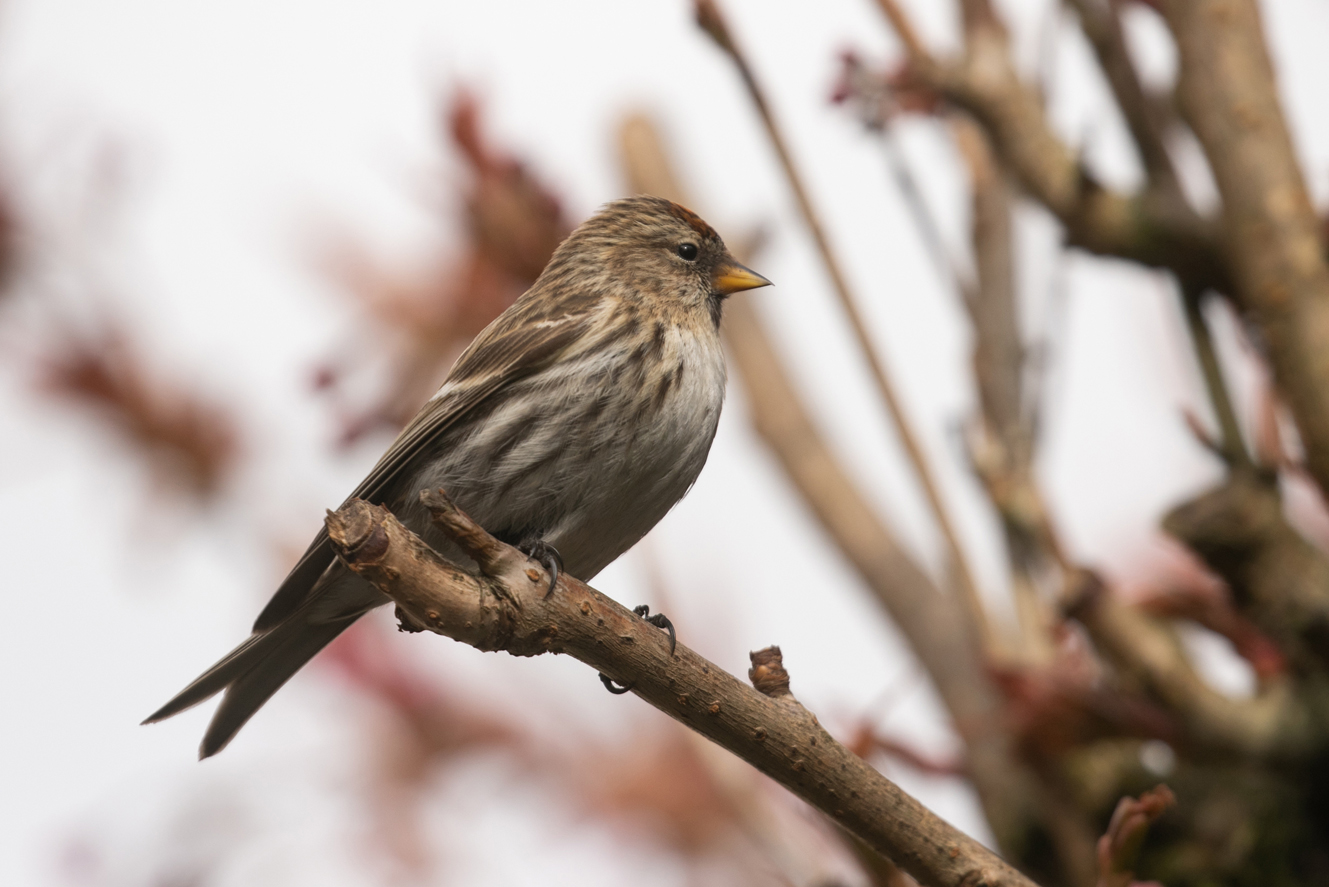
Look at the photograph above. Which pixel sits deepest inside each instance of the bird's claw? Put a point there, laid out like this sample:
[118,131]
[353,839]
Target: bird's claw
[660,621]
[616,689]
[548,557]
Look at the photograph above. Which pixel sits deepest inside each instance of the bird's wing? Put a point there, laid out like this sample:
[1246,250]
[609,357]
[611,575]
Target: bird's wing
[522,341]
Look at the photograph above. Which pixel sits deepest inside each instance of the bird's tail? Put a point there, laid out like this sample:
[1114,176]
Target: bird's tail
[251,673]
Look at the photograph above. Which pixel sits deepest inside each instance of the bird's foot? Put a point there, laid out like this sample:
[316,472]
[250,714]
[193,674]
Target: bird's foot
[660,621]
[548,556]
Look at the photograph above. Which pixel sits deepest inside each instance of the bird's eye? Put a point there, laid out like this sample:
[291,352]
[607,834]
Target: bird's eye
[688,251]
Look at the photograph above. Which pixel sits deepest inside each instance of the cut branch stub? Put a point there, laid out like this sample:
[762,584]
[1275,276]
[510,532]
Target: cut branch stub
[768,674]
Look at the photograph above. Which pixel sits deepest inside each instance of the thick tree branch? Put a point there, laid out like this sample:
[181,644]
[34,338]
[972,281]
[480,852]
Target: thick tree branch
[1228,96]
[506,608]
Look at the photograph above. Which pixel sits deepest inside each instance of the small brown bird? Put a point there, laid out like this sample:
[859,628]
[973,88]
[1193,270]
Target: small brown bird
[569,427]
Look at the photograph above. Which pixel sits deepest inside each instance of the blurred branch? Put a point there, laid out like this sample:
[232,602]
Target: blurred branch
[1210,605]
[1155,226]
[1067,703]
[904,29]
[1100,21]
[14,234]
[877,101]
[1001,442]
[1275,725]
[1278,578]
[993,311]
[1011,115]
[1231,445]
[924,220]
[711,21]
[1228,96]
[867,741]
[506,607]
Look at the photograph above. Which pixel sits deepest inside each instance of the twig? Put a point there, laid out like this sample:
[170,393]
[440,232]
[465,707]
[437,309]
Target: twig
[1001,442]
[506,608]
[1231,443]
[998,346]
[904,29]
[710,19]
[867,741]
[877,102]
[1101,23]
[924,219]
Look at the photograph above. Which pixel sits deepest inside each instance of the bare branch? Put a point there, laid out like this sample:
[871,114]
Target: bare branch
[904,28]
[1275,725]
[1001,440]
[507,608]
[1155,227]
[1100,22]
[710,19]
[1232,447]
[998,346]
[877,101]
[1277,578]
[1228,96]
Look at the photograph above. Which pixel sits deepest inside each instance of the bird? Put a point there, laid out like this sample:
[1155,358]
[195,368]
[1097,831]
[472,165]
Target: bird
[569,427]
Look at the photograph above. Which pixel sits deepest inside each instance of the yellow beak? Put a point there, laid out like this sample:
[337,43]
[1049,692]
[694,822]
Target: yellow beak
[731,277]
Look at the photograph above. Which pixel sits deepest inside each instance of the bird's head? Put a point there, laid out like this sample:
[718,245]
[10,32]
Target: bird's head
[650,248]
